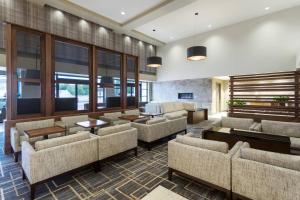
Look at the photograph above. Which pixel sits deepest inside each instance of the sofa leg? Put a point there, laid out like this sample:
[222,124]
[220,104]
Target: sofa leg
[149,146]
[23,175]
[185,131]
[234,197]
[32,191]
[136,152]
[228,195]
[170,174]
[16,156]
[97,167]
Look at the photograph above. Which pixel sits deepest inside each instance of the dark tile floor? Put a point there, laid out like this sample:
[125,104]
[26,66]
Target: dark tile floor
[125,177]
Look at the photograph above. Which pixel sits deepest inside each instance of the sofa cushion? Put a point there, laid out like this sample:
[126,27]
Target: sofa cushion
[171,116]
[271,158]
[75,129]
[295,143]
[23,126]
[45,144]
[132,112]
[114,129]
[238,123]
[204,144]
[72,120]
[189,106]
[290,129]
[155,120]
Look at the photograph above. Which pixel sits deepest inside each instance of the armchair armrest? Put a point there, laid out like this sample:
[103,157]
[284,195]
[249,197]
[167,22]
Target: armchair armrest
[15,139]
[235,148]
[217,123]
[143,131]
[255,127]
[27,152]
[295,143]
[60,123]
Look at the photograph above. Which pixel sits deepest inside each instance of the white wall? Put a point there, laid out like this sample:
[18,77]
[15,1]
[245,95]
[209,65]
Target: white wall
[266,44]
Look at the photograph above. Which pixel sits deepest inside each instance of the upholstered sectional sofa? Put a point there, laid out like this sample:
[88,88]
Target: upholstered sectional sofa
[53,157]
[166,108]
[238,123]
[242,171]
[265,175]
[17,135]
[158,128]
[203,160]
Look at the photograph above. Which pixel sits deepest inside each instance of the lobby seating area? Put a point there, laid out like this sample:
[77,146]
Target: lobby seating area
[149,100]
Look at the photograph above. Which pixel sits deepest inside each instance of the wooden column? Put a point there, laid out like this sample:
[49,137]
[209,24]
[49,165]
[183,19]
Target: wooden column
[297,89]
[49,82]
[93,81]
[137,91]
[231,95]
[9,83]
[123,82]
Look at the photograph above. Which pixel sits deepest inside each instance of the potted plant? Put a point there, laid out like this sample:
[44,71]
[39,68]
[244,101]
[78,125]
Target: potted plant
[281,100]
[236,102]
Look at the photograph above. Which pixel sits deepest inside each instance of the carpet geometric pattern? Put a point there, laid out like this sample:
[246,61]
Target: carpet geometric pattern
[125,177]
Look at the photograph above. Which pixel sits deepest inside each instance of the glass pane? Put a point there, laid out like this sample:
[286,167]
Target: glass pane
[71,77]
[131,74]
[28,69]
[2,73]
[108,79]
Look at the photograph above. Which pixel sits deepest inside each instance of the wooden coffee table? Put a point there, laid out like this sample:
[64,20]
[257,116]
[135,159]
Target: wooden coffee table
[132,117]
[257,140]
[151,114]
[44,131]
[92,124]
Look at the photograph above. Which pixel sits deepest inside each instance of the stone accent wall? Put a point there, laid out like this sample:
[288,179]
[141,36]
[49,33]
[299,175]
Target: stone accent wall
[201,89]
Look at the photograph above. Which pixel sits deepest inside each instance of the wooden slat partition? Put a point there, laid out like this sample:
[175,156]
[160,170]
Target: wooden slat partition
[258,92]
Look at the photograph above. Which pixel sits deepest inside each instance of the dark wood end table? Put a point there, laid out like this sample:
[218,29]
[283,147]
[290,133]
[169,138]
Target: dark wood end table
[152,115]
[257,140]
[44,131]
[132,117]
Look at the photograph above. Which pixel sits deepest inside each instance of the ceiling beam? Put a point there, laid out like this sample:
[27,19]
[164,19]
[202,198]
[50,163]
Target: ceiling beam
[156,12]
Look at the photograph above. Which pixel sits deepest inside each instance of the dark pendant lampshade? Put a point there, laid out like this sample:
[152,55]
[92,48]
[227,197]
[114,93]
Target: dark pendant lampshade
[196,53]
[154,61]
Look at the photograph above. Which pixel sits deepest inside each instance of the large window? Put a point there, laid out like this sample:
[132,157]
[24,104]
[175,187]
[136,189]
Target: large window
[29,70]
[72,83]
[131,81]
[108,79]
[145,91]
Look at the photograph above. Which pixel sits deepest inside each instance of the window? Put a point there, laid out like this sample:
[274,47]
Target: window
[131,81]
[72,83]
[29,71]
[108,79]
[145,91]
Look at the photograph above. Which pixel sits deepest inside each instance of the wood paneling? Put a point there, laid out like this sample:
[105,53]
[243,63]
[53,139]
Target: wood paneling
[259,91]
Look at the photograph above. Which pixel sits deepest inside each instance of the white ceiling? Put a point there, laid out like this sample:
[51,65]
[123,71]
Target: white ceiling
[112,8]
[182,23]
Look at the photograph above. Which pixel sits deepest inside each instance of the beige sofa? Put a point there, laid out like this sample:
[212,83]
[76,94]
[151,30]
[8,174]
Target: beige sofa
[116,139]
[56,156]
[70,123]
[208,162]
[113,118]
[158,128]
[265,175]
[166,108]
[17,135]
[238,123]
[290,129]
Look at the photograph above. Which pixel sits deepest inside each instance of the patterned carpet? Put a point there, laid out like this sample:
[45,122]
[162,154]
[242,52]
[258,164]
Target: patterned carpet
[125,177]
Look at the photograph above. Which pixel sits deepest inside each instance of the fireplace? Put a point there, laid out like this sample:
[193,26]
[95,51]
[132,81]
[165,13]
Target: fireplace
[185,96]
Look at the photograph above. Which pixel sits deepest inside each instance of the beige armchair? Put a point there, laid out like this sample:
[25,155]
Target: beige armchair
[158,128]
[265,175]
[70,123]
[206,161]
[17,135]
[116,139]
[56,156]
[113,118]
[238,123]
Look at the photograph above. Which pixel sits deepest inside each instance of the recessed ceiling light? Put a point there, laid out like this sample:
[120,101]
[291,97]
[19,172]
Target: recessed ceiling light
[267,8]
[123,13]
[209,26]
[153,30]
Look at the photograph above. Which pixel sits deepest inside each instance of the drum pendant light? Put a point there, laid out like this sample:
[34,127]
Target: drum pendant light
[154,61]
[195,53]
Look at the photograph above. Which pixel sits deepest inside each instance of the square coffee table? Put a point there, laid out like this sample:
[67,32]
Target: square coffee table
[92,124]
